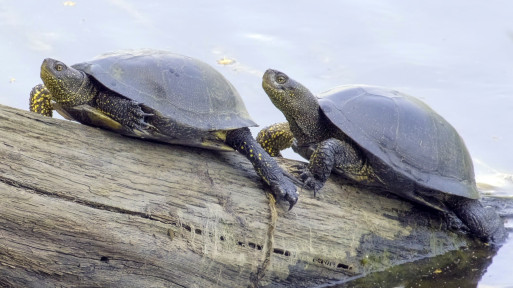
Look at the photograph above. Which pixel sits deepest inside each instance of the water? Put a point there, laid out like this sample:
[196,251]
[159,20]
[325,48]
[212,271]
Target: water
[457,56]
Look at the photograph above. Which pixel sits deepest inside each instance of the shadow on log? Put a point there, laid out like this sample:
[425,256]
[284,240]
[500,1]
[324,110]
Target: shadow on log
[85,207]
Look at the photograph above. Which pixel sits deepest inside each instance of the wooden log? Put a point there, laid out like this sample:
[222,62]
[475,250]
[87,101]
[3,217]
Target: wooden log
[85,207]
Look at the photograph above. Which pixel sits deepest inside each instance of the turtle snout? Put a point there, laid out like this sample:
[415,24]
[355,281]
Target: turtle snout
[48,62]
[269,75]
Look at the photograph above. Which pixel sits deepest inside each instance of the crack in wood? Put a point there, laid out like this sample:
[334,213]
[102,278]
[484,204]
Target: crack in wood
[91,204]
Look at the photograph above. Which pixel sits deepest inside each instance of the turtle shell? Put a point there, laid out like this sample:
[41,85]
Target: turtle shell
[405,134]
[182,88]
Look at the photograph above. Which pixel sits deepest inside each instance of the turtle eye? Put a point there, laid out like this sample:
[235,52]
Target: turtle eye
[59,67]
[281,79]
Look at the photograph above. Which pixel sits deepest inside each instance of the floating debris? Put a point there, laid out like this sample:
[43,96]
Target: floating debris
[69,3]
[225,61]
[12,80]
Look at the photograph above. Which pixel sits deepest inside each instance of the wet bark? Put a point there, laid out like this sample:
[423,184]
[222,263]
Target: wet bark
[85,207]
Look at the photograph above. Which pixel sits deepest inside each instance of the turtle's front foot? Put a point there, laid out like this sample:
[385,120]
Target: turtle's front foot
[265,166]
[137,118]
[285,189]
[142,126]
[308,178]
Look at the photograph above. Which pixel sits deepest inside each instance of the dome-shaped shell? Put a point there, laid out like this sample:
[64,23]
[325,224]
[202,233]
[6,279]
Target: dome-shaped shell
[179,87]
[404,133]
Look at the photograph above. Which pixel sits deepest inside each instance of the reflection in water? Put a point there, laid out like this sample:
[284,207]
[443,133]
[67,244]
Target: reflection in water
[462,268]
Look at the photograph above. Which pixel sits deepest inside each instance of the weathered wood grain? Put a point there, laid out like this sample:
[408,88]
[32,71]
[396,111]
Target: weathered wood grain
[83,207]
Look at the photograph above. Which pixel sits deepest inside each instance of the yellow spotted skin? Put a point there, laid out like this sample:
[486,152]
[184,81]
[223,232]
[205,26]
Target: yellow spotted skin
[310,135]
[41,101]
[275,138]
[329,149]
[77,92]
[265,166]
[68,86]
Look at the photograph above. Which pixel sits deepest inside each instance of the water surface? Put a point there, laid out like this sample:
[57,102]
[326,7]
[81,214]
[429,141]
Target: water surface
[457,56]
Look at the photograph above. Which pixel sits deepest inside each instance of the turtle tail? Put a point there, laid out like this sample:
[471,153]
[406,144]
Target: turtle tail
[482,222]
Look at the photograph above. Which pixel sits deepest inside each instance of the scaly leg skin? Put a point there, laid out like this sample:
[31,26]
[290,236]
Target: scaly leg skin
[305,151]
[329,154]
[123,110]
[482,222]
[40,100]
[275,138]
[265,166]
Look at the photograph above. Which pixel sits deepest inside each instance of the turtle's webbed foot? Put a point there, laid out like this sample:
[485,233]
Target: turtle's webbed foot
[285,189]
[308,178]
[265,166]
[143,126]
[137,118]
[311,183]
[298,169]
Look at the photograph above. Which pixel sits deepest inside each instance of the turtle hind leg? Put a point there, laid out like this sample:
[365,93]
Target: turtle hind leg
[482,222]
[40,100]
[265,166]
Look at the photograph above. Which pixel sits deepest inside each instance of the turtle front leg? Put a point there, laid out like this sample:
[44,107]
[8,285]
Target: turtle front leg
[265,166]
[330,154]
[275,138]
[41,100]
[125,111]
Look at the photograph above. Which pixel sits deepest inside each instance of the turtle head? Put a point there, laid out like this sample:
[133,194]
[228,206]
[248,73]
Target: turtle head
[292,98]
[65,83]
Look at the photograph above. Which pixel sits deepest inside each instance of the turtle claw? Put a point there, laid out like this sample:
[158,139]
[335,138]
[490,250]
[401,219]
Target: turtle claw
[142,126]
[138,118]
[299,166]
[307,179]
[311,184]
[292,199]
[298,170]
[316,192]
[144,114]
[145,125]
[285,190]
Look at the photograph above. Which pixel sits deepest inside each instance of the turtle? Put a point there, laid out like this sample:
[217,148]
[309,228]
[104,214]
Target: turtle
[161,96]
[381,138]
